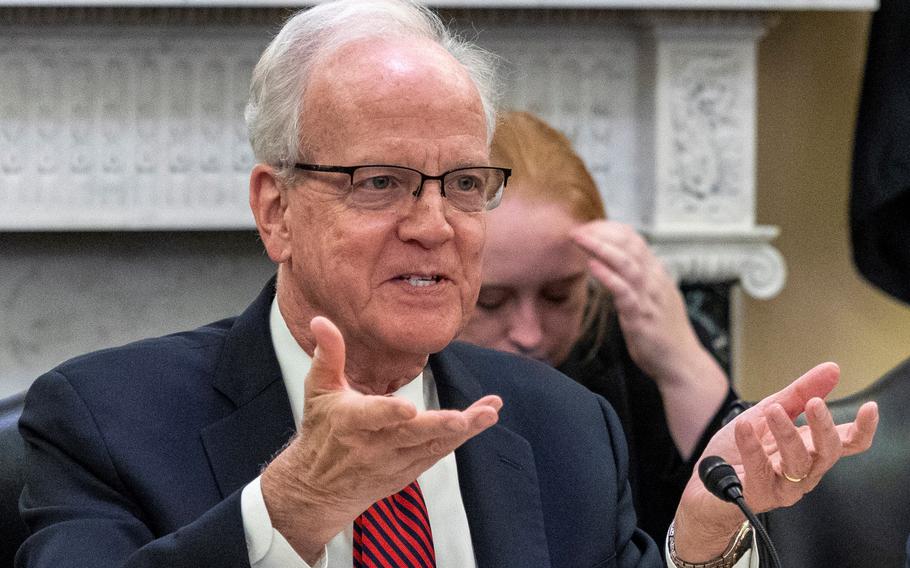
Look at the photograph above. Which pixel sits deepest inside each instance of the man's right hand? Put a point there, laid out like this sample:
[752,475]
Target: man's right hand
[354,449]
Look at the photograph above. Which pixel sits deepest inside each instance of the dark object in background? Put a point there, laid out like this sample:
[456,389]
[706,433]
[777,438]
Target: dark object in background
[708,306]
[880,200]
[859,514]
[12,474]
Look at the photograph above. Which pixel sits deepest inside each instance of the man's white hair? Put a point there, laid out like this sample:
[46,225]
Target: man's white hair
[280,78]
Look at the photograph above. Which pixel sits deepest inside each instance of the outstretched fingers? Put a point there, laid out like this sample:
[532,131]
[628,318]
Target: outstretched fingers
[859,434]
[818,382]
[763,485]
[488,406]
[441,431]
[783,466]
[825,438]
[755,463]
[796,462]
[360,414]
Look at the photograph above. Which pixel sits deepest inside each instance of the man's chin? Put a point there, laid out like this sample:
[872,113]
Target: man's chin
[427,343]
[422,340]
[403,329]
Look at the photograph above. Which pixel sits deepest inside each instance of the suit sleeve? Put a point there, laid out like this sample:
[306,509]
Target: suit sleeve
[633,546]
[80,512]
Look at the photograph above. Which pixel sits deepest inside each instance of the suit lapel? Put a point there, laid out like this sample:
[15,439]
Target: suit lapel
[241,443]
[498,480]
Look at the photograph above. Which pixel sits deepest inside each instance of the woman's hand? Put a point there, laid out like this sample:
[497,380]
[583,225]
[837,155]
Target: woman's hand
[656,327]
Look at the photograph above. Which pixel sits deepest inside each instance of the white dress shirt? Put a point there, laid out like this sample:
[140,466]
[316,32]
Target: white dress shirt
[439,484]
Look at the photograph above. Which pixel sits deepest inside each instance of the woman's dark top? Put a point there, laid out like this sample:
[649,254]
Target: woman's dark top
[657,472]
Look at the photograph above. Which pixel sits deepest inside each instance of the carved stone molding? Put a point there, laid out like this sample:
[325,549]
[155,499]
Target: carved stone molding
[151,135]
[745,258]
[150,132]
[110,124]
[704,124]
[143,15]
[125,129]
[583,80]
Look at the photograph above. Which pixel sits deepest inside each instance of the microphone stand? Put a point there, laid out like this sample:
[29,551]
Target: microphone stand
[721,480]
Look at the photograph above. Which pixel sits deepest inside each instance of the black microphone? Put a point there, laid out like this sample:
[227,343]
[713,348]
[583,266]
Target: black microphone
[721,480]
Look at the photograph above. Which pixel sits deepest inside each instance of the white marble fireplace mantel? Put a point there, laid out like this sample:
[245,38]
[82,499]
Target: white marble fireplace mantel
[127,115]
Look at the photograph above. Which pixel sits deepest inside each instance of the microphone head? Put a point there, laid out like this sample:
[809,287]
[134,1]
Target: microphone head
[720,478]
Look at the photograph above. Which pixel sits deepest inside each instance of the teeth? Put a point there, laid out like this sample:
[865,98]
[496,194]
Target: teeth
[421,281]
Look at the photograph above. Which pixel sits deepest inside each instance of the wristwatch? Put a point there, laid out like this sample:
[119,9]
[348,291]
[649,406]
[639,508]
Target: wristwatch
[741,543]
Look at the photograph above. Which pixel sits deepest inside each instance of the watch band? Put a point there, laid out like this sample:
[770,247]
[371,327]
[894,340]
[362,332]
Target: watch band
[741,542]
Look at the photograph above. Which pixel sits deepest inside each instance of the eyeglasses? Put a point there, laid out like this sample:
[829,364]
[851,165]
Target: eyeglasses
[385,187]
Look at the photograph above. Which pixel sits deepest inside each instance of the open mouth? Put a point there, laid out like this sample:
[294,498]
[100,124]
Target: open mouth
[420,280]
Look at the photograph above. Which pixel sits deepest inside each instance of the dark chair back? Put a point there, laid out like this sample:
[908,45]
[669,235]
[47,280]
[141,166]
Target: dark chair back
[859,515]
[12,471]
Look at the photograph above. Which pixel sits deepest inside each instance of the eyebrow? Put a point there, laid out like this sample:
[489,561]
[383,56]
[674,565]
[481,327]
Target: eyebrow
[566,280]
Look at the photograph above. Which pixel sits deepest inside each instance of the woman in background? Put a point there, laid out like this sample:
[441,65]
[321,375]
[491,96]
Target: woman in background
[563,285]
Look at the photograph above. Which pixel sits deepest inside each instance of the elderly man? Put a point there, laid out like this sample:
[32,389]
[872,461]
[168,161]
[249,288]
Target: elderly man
[371,127]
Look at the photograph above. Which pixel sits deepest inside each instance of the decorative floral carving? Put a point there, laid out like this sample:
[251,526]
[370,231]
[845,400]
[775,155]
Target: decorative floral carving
[131,131]
[710,126]
[584,84]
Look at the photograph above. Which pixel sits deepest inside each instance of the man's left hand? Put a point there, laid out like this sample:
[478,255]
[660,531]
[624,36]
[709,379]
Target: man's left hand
[777,461]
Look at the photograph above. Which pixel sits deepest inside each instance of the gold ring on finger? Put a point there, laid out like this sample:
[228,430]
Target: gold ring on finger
[794,479]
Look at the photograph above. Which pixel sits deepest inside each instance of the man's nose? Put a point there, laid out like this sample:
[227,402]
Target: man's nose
[425,218]
[525,327]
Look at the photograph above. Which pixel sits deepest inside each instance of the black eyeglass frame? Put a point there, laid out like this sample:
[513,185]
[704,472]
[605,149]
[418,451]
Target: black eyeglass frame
[349,170]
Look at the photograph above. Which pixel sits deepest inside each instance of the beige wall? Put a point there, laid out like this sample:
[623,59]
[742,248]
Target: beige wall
[810,72]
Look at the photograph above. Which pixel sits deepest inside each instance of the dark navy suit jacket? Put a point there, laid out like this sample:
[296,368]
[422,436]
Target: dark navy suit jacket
[137,455]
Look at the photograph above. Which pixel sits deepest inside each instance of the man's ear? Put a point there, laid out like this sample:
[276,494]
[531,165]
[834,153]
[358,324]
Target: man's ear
[269,205]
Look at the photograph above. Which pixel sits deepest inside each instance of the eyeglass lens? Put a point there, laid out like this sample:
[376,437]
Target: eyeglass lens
[468,189]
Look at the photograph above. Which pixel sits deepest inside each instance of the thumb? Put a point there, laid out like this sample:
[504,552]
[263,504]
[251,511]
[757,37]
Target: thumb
[327,371]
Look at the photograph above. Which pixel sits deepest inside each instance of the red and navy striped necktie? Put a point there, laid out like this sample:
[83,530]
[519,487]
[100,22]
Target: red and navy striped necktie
[395,533]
